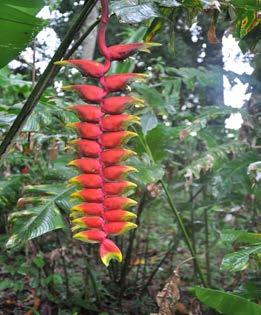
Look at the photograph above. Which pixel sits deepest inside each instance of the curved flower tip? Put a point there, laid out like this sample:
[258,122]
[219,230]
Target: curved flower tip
[90,236]
[108,251]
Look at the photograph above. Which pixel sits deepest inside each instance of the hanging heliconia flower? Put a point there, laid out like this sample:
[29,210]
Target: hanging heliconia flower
[102,134]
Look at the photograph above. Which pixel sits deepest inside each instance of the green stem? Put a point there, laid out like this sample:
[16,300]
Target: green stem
[46,78]
[184,232]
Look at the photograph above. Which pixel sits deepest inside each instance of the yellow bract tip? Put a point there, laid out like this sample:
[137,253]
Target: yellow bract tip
[61,63]
[109,256]
[67,87]
[76,195]
[71,163]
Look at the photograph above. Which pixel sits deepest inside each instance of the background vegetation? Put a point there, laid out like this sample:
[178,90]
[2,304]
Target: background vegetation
[196,250]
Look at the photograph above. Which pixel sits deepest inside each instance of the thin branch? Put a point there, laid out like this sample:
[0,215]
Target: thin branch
[46,78]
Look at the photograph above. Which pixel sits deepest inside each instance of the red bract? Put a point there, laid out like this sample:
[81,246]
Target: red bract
[118,122]
[115,156]
[87,130]
[117,171]
[118,188]
[87,67]
[118,82]
[117,104]
[102,133]
[90,222]
[121,52]
[119,215]
[115,139]
[89,93]
[87,180]
[87,165]
[112,203]
[88,208]
[90,195]
[86,112]
[87,147]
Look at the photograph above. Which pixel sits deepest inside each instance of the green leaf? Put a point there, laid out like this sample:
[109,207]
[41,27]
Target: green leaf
[37,221]
[28,6]
[226,303]
[150,95]
[239,260]
[130,11]
[148,122]
[148,173]
[231,236]
[18,27]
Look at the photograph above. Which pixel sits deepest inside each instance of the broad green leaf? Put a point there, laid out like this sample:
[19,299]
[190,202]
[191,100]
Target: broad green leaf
[239,260]
[18,28]
[38,220]
[148,173]
[231,236]
[148,122]
[226,303]
[31,7]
